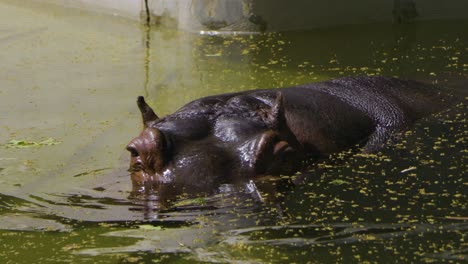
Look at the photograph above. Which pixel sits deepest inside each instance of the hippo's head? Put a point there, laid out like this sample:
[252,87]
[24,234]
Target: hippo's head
[212,141]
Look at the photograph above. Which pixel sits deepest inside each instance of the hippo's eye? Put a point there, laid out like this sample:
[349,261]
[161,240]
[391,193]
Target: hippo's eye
[133,151]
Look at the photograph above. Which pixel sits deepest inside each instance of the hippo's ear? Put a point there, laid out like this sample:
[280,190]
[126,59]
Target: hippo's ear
[276,116]
[274,155]
[147,113]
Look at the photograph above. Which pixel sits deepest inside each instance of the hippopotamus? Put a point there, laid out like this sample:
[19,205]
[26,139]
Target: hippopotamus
[239,136]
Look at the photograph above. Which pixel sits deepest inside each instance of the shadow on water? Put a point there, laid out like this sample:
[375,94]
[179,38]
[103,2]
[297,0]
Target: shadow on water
[65,78]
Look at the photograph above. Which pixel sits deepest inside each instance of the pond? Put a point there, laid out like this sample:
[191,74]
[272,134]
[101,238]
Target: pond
[68,85]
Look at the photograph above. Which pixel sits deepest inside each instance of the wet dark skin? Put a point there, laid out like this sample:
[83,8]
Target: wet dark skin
[235,137]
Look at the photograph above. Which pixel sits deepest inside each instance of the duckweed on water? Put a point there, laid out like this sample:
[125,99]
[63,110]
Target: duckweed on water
[149,227]
[14,143]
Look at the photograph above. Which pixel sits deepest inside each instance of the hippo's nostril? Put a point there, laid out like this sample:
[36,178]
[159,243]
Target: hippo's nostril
[136,167]
[133,151]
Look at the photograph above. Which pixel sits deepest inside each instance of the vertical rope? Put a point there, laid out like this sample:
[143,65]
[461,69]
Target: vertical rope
[147,39]
[148,17]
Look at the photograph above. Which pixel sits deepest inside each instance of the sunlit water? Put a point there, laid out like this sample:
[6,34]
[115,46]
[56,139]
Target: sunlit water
[74,77]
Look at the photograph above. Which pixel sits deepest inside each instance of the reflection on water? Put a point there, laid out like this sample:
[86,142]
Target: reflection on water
[74,77]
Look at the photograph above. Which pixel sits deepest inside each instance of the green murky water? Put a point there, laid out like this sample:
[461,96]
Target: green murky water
[68,84]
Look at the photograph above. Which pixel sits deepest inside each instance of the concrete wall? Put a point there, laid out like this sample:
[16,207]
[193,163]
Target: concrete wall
[283,16]
[218,16]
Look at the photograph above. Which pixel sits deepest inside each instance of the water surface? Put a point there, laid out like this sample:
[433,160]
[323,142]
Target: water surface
[73,77]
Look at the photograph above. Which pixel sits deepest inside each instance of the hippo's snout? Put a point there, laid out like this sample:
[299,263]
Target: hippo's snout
[155,166]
